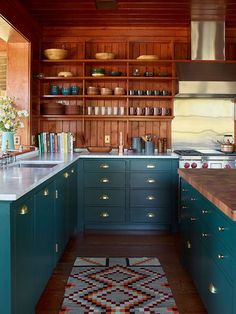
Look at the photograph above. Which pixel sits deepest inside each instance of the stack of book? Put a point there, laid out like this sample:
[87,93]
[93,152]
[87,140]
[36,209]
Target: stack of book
[55,142]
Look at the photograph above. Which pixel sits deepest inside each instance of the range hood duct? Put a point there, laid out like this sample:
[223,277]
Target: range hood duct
[207,75]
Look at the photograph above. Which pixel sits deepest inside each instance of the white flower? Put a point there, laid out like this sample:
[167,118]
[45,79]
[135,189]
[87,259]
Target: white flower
[10,116]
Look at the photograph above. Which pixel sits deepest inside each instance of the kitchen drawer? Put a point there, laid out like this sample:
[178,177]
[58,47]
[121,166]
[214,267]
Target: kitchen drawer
[150,215]
[104,214]
[216,290]
[97,179]
[104,165]
[149,198]
[150,180]
[105,197]
[150,165]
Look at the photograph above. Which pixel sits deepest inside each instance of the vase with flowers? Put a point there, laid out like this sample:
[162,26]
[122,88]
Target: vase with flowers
[10,121]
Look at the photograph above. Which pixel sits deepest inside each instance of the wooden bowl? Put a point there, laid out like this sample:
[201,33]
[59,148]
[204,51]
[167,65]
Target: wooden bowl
[106,91]
[104,55]
[148,57]
[99,149]
[65,74]
[55,54]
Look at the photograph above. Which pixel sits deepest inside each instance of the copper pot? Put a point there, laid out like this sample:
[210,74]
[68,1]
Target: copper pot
[227,148]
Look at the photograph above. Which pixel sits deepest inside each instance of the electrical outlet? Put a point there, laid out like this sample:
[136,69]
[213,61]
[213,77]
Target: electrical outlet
[17,139]
[107,139]
[33,139]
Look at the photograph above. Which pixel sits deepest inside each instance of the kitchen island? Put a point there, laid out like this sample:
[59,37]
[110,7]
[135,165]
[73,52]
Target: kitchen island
[208,235]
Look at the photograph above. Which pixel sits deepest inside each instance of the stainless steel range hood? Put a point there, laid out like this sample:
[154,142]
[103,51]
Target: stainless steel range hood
[207,74]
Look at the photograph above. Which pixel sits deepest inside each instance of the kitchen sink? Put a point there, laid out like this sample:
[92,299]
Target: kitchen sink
[35,164]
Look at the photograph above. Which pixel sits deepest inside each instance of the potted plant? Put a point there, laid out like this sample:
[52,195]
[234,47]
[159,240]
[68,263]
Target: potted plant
[10,121]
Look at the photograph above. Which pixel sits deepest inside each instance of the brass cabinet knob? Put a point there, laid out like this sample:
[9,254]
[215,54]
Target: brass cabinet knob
[104,180]
[205,235]
[193,219]
[150,166]
[192,199]
[150,215]
[104,166]
[72,171]
[184,206]
[24,210]
[104,197]
[220,256]
[221,229]
[150,198]
[212,288]
[66,175]
[185,190]
[205,212]
[46,192]
[104,214]
[189,245]
[150,180]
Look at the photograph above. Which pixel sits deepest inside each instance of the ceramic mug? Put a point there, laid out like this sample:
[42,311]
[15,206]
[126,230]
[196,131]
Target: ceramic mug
[115,110]
[148,111]
[165,111]
[96,110]
[132,111]
[109,111]
[139,111]
[89,110]
[122,111]
[157,111]
[103,110]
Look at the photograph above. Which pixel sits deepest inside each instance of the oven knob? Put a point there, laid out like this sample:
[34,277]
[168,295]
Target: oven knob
[194,165]
[187,165]
[205,165]
[227,166]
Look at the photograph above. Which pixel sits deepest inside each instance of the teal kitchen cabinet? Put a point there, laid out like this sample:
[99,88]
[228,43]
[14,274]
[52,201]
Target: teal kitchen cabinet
[31,229]
[127,193]
[44,232]
[23,262]
[208,251]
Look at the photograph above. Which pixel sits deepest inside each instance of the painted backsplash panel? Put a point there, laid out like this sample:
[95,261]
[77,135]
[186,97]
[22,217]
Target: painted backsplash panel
[199,123]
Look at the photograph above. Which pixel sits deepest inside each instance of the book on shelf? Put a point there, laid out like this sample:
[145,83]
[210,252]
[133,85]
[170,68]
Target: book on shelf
[50,142]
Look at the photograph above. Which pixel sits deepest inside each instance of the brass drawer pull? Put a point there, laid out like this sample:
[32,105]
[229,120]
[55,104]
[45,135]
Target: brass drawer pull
[193,199]
[193,219]
[104,166]
[104,215]
[212,288]
[185,190]
[104,197]
[24,210]
[66,175]
[46,192]
[151,215]
[150,166]
[205,212]
[184,206]
[72,171]
[220,256]
[151,180]
[104,180]
[189,245]
[150,198]
[204,235]
[221,229]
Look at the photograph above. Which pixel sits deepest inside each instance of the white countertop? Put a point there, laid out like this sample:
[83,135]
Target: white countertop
[15,182]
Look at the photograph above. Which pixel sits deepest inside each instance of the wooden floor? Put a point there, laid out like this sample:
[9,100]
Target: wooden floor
[163,246]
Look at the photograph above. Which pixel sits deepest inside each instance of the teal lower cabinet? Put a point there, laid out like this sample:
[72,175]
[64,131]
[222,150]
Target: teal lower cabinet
[208,251]
[33,233]
[127,193]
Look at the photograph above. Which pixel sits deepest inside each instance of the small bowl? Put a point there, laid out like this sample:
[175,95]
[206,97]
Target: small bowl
[106,91]
[65,74]
[116,73]
[55,54]
[119,91]
[104,55]
[99,149]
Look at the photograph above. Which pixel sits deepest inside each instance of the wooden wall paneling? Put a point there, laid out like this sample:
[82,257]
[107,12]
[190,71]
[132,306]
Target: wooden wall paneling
[18,82]
[182,51]
[118,47]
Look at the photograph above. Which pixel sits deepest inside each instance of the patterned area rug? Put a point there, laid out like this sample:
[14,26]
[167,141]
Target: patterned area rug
[118,285]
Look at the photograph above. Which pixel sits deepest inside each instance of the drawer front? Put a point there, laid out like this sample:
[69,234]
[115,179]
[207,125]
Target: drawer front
[216,291]
[104,197]
[104,180]
[104,165]
[150,165]
[150,180]
[150,215]
[149,198]
[104,214]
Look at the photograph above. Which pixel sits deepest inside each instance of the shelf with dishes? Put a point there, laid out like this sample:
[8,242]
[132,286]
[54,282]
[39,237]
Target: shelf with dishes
[107,117]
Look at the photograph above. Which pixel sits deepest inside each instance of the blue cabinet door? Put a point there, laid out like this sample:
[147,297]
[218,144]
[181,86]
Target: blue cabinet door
[23,271]
[44,235]
[72,195]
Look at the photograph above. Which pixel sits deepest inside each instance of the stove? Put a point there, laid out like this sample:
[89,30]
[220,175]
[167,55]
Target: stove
[191,158]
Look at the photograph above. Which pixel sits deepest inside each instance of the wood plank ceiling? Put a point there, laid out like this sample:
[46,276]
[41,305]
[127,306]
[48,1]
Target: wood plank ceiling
[132,13]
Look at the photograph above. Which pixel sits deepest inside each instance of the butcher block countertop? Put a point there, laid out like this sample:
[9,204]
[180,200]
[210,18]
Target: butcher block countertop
[217,185]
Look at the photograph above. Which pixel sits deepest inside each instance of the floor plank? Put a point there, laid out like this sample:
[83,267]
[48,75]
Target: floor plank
[163,246]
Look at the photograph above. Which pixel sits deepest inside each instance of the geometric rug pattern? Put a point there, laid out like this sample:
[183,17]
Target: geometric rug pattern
[118,285]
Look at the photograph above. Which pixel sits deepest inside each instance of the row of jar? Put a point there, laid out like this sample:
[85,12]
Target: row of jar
[64,90]
[133,111]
